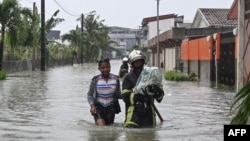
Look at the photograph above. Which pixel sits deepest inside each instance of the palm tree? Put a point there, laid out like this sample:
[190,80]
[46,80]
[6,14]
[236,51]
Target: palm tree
[10,14]
[18,23]
[74,37]
[53,22]
[18,32]
[96,34]
[95,39]
[105,43]
[242,98]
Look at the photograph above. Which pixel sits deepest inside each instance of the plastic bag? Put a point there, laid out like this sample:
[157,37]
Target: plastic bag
[149,75]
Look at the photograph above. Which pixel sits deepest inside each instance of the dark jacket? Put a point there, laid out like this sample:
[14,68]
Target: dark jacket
[140,111]
[123,69]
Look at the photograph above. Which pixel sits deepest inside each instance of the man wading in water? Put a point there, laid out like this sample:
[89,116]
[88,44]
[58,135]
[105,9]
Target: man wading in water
[140,110]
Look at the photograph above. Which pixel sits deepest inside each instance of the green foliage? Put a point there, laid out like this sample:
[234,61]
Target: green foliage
[20,30]
[178,76]
[192,77]
[243,98]
[91,41]
[53,21]
[2,75]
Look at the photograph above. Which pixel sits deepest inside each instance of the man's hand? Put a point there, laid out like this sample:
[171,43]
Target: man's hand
[152,89]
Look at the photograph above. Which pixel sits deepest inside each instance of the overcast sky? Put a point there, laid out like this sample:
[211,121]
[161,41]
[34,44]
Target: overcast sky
[124,13]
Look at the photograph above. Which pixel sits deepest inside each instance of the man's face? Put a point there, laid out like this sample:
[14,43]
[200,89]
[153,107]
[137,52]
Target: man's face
[138,63]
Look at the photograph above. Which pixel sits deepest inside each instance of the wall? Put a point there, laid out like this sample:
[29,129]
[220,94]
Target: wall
[164,25]
[26,65]
[169,59]
[205,75]
[197,56]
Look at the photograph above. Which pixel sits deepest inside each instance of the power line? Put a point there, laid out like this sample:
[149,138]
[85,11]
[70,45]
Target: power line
[65,10]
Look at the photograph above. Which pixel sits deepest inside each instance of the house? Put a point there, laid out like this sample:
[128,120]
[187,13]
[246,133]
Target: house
[211,55]
[171,38]
[149,34]
[124,39]
[54,35]
[212,17]
[240,11]
[205,47]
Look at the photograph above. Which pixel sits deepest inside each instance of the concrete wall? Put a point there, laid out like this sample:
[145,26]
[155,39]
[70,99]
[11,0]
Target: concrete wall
[185,66]
[164,25]
[194,66]
[26,65]
[169,62]
[205,72]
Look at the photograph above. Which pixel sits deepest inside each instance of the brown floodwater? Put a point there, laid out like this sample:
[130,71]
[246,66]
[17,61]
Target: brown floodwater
[52,106]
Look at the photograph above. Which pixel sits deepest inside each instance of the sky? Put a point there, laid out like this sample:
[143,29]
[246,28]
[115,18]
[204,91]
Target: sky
[123,13]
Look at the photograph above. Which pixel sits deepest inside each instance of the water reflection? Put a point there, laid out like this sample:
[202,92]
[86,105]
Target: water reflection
[117,133]
[52,105]
[104,133]
[141,135]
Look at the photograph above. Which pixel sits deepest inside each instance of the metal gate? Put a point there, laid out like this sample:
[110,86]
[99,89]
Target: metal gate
[227,64]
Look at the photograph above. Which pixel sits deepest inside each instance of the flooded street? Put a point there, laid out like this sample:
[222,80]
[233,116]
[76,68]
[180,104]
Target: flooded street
[52,106]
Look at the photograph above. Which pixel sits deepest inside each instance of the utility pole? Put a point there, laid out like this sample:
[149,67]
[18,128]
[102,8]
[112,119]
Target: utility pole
[158,50]
[81,49]
[43,51]
[33,40]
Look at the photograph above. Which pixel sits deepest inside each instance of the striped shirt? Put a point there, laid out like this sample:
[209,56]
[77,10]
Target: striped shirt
[106,90]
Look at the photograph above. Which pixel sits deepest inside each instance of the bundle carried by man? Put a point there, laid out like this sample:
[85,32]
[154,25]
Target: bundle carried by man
[150,76]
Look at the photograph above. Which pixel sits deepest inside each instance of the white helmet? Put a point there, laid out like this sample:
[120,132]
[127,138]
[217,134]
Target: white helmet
[136,55]
[125,59]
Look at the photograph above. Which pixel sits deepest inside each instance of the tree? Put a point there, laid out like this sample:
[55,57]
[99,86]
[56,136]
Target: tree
[53,21]
[96,39]
[10,14]
[18,33]
[74,37]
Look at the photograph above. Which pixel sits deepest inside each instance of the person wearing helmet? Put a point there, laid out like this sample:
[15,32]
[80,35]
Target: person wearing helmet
[139,107]
[123,68]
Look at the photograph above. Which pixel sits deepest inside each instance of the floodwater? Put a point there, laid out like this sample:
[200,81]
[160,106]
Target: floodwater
[52,106]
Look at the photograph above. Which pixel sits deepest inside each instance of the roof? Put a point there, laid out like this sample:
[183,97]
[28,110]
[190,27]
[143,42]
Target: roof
[213,17]
[118,28]
[233,13]
[186,25]
[161,17]
[53,35]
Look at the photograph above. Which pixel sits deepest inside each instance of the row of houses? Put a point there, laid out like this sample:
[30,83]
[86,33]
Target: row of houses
[215,45]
